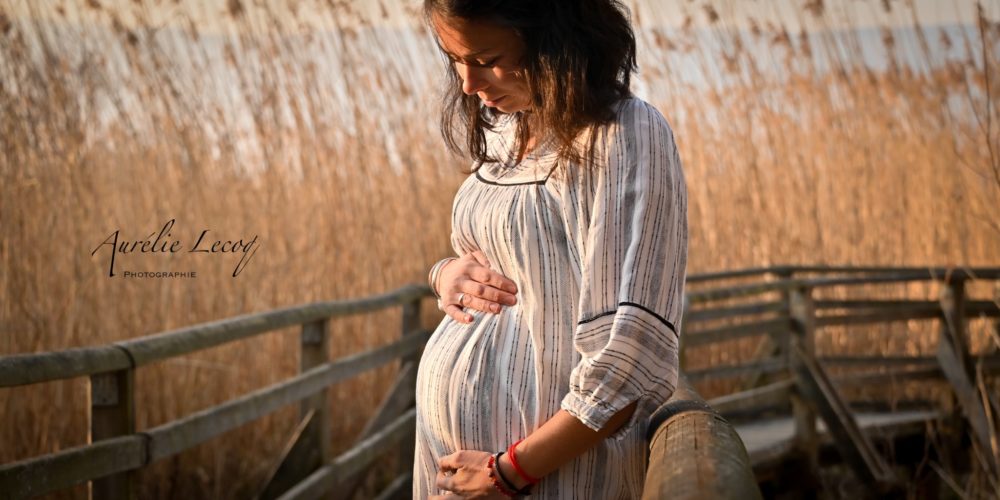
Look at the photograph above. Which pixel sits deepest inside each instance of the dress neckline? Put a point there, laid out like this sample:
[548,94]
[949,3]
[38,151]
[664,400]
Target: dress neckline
[535,168]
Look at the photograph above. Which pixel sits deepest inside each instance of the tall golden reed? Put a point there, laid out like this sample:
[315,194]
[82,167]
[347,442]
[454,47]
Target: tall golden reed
[313,126]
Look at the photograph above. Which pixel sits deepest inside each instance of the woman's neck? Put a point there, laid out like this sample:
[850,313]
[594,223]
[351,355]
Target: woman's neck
[534,134]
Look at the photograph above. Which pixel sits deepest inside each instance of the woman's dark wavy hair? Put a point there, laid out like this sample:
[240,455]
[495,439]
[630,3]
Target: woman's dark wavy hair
[578,61]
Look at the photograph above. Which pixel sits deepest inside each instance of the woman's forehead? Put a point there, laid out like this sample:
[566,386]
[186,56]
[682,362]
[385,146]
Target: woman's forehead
[466,38]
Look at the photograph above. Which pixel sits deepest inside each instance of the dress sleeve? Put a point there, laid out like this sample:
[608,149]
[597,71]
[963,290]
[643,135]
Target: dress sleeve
[634,261]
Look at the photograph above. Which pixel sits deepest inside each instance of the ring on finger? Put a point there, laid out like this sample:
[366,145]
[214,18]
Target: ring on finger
[461,299]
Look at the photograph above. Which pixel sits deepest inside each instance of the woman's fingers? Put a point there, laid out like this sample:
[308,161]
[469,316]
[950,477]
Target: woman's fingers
[484,298]
[497,287]
[459,305]
[457,313]
[481,258]
[470,284]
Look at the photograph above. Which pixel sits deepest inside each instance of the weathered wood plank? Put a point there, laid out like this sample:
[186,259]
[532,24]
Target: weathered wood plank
[851,442]
[881,304]
[876,361]
[972,307]
[410,321]
[112,408]
[715,464]
[936,273]
[770,441]
[23,369]
[278,480]
[774,394]
[400,488]
[887,316]
[326,480]
[767,348]
[905,276]
[955,363]
[990,362]
[312,448]
[195,338]
[803,315]
[982,308]
[770,347]
[879,378]
[764,366]
[739,273]
[179,435]
[401,395]
[314,346]
[63,469]
[777,327]
[697,315]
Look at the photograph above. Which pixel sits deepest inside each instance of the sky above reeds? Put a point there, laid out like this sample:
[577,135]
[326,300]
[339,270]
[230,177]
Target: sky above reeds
[794,15]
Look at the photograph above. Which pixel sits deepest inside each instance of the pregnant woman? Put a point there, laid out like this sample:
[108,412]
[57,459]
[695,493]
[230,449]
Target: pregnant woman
[563,311]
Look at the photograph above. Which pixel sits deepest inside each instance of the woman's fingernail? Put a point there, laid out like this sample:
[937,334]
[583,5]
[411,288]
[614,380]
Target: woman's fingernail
[468,318]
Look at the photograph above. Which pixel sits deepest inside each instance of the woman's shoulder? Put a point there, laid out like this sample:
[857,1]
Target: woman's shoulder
[638,127]
[634,116]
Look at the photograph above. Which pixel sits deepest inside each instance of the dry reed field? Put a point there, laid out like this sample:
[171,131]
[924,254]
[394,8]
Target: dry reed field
[313,125]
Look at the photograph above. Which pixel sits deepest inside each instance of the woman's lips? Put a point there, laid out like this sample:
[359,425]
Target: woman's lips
[493,103]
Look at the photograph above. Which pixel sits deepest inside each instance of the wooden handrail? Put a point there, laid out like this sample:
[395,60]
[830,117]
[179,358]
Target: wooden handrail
[797,269]
[118,450]
[902,276]
[33,476]
[695,453]
[21,369]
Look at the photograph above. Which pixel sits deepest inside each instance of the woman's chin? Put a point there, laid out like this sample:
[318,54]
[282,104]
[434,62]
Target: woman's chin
[504,108]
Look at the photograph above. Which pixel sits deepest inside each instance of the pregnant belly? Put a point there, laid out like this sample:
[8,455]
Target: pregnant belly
[477,382]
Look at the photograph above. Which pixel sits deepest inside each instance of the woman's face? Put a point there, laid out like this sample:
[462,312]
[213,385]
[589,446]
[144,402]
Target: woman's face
[487,58]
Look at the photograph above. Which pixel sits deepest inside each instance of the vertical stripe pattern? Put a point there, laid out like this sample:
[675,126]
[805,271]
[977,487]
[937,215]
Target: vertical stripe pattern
[599,257]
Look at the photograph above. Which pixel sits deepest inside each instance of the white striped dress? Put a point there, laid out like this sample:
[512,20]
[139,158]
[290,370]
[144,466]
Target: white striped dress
[599,258]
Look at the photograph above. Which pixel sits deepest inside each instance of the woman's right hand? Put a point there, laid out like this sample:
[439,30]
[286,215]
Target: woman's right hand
[484,289]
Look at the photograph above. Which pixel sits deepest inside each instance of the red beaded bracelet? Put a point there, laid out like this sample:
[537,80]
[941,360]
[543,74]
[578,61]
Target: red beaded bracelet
[517,467]
[491,470]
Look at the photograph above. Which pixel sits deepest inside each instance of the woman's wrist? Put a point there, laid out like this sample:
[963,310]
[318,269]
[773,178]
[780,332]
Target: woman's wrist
[434,276]
[511,472]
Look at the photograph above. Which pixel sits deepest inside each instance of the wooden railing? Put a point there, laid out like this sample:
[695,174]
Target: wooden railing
[307,470]
[786,320]
[117,451]
[694,453]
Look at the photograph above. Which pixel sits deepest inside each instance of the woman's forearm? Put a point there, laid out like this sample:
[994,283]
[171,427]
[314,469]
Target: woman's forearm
[559,440]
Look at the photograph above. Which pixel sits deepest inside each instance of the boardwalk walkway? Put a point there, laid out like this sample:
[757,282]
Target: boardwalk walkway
[762,438]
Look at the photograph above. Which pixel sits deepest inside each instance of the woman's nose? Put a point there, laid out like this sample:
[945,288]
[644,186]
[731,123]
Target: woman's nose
[472,80]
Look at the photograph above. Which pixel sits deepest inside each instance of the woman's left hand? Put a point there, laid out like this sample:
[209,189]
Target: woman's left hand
[464,475]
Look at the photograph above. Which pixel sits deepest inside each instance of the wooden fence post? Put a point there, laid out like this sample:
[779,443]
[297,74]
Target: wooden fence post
[410,324]
[309,447]
[953,356]
[315,343]
[112,410]
[771,346]
[802,311]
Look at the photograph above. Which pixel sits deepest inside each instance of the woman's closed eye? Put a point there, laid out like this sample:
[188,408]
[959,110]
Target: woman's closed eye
[480,63]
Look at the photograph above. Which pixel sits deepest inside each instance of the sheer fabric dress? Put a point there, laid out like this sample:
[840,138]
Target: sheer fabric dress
[599,257]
